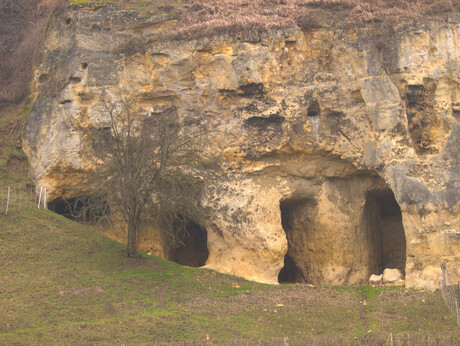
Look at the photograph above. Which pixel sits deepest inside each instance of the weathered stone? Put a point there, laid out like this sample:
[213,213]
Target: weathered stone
[339,160]
[399,283]
[375,279]
[391,275]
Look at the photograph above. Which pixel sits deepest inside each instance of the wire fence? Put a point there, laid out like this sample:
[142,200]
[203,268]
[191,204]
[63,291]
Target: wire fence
[13,198]
[450,292]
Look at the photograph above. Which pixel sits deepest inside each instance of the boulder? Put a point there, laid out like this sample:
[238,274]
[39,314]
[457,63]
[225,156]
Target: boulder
[375,279]
[391,275]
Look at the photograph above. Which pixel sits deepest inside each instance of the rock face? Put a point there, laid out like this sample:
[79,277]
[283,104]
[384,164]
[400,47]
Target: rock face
[341,158]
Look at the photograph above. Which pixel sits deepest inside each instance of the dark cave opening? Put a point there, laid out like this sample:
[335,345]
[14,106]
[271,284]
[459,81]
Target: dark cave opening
[288,272]
[294,217]
[320,252]
[385,232]
[314,109]
[193,251]
[83,208]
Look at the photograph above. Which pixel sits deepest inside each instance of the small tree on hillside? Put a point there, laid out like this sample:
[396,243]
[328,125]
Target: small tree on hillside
[148,164]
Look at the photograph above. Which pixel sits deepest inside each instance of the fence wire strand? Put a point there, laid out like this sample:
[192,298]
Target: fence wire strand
[13,199]
[450,292]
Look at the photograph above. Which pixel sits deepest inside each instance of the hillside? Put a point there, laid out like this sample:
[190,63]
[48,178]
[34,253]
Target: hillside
[337,141]
[63,283]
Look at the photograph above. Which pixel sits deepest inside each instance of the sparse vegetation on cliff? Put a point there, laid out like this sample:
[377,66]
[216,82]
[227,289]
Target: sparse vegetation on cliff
[204,18]
[22,26]
[148,168]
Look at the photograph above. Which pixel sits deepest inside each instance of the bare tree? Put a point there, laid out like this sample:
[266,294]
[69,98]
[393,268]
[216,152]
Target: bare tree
[148,165]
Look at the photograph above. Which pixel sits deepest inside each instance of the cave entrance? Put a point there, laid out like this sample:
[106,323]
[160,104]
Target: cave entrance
[90,209]
[343,239]
[193,251]
[296,222]
[385,232]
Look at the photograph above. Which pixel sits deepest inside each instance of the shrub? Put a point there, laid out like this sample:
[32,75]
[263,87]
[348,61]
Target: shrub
[201,18]
[24,23]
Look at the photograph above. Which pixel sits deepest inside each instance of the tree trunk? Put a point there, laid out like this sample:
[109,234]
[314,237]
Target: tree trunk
[132,238]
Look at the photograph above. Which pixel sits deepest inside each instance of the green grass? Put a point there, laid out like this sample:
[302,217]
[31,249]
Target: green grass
[61,282]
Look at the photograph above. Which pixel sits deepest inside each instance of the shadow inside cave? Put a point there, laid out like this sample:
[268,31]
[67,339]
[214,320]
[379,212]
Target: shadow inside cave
[193,250]
[379,242]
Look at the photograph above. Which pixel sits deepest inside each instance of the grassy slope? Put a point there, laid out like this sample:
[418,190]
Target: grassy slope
[61,282]
[13,161]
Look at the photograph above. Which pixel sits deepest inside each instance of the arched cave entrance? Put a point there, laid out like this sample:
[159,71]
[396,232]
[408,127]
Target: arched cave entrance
[296,215]
[386,238]
[322,253]
[83,208]
[193,251]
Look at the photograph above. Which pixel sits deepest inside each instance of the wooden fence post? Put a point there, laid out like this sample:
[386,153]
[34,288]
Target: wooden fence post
[40,197]
[8,200]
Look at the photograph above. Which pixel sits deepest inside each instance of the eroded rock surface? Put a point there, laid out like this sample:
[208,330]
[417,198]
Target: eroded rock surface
[340,158]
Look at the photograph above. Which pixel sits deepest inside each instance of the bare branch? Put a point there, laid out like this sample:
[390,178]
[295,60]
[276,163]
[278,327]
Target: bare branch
[147,167]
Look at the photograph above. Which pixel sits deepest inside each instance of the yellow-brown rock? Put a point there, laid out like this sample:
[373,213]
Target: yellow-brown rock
[341,159]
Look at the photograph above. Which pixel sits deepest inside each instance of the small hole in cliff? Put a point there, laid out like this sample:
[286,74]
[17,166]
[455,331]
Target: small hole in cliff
[75,80]
[456,114]
[193,251]
[43,78]
[357,96]
[314,110]
[261,122]
[414,94]
[386,238]
[67,21]
[88,209]
[251,90]
[84,65]
[63,102]
[290,44]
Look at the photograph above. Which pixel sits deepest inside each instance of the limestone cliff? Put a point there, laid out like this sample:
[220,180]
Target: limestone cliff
[341,154]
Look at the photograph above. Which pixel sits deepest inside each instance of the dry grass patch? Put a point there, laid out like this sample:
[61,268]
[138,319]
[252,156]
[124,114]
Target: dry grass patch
[200,18]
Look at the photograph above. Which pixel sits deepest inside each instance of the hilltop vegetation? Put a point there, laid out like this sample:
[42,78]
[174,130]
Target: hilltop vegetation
[203,18]
[22,26]
[24,22]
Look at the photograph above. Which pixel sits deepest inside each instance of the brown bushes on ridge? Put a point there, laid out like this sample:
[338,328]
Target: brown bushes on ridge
[23,23]
[209,17]
[22,26]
